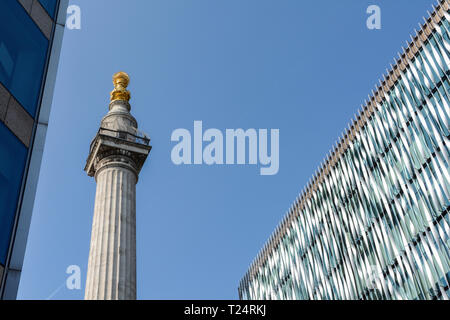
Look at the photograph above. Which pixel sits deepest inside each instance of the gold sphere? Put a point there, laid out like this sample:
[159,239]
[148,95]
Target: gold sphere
[120,92]
[121,79]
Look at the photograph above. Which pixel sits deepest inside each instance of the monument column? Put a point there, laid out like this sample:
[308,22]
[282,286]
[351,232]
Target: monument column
[116,157]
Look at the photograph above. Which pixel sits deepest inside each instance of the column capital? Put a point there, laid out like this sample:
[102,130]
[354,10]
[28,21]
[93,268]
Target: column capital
[117,145]
[116,160]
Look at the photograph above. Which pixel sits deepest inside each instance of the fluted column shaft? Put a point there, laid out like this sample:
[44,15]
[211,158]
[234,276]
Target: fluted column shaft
[112,257]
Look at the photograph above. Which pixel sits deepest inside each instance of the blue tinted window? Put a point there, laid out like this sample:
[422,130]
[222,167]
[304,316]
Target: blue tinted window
[50,6]
[13,156]
[23,50]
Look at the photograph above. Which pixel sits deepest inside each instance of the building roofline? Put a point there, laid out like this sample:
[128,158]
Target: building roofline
[387,84]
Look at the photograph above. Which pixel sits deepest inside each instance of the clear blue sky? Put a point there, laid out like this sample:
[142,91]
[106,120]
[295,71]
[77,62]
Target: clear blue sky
[303,67]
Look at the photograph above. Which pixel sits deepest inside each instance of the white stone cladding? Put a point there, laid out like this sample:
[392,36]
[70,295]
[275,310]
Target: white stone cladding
[112,258]
[116,157]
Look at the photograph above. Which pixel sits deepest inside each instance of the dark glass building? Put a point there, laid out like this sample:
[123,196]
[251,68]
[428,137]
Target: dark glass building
[30,41]
[373,222]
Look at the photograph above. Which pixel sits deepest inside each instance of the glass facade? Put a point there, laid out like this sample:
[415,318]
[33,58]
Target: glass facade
[373,223]
[49,6]
[23,52]
[27,73]
[13,156]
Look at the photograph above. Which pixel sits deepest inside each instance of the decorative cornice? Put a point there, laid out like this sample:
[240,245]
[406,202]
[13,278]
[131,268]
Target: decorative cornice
[378,96]
[105,145]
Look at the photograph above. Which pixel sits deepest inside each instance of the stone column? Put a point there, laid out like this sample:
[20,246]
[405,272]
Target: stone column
[116,157]
[112,259]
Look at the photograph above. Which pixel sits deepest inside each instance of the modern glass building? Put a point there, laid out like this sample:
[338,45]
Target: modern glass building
[30,41]
[373,222]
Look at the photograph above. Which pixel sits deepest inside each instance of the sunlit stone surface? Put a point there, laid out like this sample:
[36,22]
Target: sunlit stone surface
[116,157]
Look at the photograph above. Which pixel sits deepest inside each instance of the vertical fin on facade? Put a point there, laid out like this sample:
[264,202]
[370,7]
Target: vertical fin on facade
[377,96]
